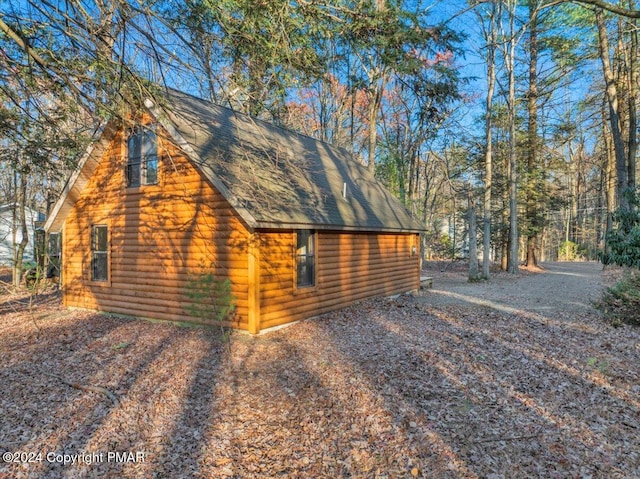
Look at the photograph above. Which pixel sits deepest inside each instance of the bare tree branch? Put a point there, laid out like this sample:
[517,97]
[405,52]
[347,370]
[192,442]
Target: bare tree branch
[608,7]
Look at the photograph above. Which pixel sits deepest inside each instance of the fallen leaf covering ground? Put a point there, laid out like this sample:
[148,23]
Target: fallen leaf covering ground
[388,388]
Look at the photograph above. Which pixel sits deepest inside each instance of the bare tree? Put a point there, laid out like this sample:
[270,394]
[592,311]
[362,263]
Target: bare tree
[490,33]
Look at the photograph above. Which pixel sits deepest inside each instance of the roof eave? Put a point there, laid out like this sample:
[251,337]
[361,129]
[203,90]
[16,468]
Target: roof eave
[266,225]
[80,177]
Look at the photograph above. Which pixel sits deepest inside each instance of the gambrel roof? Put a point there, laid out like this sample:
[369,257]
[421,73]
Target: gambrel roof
[273,177]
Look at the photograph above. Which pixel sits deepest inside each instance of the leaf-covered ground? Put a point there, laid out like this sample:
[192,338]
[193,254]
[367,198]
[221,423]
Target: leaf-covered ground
[460,381]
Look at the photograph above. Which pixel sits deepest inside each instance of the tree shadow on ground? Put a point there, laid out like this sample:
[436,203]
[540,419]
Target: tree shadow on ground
[153,369]
[386,388]
[483,400]
[20,304]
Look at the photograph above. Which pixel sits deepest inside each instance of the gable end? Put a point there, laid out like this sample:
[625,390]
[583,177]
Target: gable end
[80,177]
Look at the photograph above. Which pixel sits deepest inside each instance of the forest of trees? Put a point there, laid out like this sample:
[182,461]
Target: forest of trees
[520,114]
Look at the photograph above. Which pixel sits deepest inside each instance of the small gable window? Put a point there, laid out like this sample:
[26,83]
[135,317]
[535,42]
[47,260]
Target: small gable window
[99,253]
[305,258]
[142,156]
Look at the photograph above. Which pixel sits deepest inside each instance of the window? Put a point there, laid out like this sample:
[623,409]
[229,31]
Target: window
[99,253]
[305,258]
[54,253]
[142,157]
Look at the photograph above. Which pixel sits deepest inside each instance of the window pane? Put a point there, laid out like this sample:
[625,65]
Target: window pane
[151,171]
[148,143]
[100,233]
[54,244]
[310,245]
[142,161]
[134,152]
[311,270]
[133,145]
[133,173]
[53,249]
[99,266]
[303,272]
[303,239]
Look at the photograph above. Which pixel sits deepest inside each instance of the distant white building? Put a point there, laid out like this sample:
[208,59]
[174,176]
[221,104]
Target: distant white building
[11,233]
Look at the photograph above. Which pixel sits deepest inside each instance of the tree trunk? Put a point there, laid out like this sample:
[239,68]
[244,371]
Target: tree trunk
[375,97]
[512,253]
[18,269]
[504,248]
[473,239]
[533,185]
[610,183]
[377,83]
[488,134]
[504,225]
[614,111]
[632,86]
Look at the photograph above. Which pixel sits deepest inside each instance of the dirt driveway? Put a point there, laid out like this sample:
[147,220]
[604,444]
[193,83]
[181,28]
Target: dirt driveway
[564,286]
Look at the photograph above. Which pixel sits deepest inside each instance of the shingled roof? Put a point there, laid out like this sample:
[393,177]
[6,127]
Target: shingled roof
[277,178]
[273,177]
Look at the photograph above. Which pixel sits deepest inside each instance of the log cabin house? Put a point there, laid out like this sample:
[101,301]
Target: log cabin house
[298,226]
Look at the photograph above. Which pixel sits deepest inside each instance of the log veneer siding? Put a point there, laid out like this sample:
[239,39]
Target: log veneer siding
[349,267]
[160,237]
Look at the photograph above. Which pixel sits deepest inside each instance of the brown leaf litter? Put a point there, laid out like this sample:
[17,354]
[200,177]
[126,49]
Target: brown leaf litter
[387,388]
